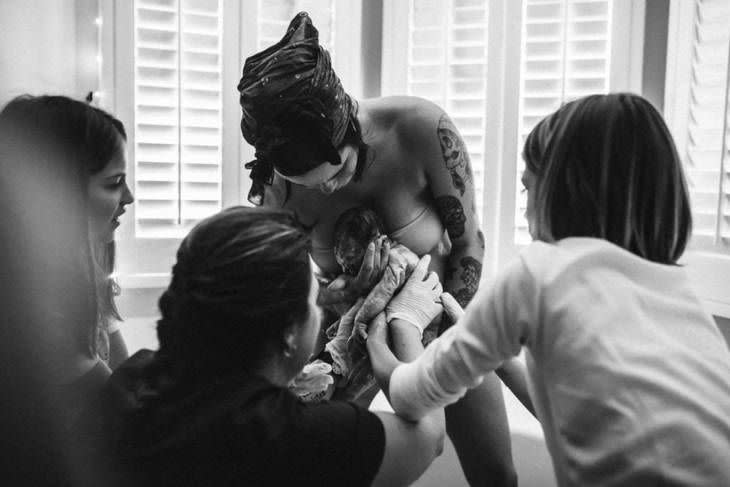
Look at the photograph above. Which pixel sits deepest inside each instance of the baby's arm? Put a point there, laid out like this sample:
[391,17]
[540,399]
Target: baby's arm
[494,328]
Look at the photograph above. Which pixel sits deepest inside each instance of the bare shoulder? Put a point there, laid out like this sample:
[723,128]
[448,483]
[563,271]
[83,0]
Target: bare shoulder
[411,119]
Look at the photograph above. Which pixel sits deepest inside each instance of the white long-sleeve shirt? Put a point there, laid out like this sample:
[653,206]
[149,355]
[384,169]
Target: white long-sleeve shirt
[629,375]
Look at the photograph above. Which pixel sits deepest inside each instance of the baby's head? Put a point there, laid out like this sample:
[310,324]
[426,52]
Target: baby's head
[354,230]
[605,166]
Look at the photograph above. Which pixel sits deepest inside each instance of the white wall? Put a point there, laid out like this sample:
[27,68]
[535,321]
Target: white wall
[48,47]
[37,48]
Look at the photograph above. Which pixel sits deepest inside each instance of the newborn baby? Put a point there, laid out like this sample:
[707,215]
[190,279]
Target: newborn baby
[353,232]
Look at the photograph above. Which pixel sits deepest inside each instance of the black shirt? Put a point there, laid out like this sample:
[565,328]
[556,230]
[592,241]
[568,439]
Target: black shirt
[239,431]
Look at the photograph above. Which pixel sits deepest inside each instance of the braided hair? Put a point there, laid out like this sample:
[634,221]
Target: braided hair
[241,278]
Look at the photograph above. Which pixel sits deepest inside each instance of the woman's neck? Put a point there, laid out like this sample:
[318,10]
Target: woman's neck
[275,372]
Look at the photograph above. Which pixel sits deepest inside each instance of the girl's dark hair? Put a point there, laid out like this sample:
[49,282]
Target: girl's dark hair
[607,167]
[49,148]
[242,277]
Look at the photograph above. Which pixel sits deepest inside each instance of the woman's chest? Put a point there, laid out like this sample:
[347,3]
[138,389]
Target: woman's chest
[401,200]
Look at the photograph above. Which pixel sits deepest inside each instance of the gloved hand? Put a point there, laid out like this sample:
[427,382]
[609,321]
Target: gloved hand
[418,302]
[452,308]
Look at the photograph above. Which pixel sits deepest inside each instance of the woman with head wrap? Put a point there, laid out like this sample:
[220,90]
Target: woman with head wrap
[319,152]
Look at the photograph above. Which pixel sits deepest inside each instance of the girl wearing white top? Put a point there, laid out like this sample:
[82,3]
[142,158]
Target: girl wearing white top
[629,375]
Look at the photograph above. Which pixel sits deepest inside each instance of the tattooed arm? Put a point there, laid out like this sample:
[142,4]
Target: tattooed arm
[452,185]
[477,423]
[463,271]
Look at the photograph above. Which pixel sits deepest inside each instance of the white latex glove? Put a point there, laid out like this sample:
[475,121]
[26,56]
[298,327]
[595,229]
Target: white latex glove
[452,308]
[418,302]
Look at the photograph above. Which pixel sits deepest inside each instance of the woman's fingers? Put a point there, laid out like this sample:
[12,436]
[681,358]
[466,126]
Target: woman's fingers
[451,306]
[376,259]
[373,263]
[366,269]
[350,315]
[384,253]
[378,329]
[421,268]
[432,280]
[339,283]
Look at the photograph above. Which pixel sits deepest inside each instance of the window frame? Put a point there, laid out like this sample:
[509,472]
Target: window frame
[709,272]
[626,60]
[144,262]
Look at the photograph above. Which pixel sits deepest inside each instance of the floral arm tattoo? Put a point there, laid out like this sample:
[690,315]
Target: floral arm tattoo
[461,280]
[455,154]
[456,208]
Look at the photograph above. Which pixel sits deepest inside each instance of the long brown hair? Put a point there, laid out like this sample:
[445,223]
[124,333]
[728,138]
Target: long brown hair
[56,144]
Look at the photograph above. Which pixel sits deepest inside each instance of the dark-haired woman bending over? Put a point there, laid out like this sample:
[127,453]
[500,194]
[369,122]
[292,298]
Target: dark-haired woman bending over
[212,406]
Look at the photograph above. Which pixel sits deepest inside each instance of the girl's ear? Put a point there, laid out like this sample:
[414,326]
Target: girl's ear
[289,344]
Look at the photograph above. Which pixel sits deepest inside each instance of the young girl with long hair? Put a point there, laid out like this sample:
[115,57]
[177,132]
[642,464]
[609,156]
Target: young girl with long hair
[62,191]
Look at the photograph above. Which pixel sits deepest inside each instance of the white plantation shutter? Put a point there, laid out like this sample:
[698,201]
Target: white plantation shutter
[706,152]
[177,114]
[274,17]
[566,47]
[447,64]
[697,112]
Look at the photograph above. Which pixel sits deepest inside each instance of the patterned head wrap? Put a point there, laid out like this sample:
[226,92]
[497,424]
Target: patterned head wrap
[291,83]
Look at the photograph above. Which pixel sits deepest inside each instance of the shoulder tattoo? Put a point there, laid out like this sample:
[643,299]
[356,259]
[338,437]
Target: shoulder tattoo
[452,214]
[454,153]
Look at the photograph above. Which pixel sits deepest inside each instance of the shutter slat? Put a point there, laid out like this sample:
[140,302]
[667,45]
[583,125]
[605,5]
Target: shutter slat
[447,56]
[703,153]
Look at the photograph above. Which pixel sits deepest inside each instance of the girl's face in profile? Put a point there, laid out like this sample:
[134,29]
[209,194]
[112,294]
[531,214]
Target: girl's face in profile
[108,195]
[528,181]
[326,177]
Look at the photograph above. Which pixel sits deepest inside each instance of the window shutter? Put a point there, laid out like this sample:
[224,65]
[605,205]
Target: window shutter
[178,109]
[447,64]
[566,47]
[275,15]
[707,152]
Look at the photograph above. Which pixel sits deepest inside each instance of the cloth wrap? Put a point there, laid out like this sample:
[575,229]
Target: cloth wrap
[290,82]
